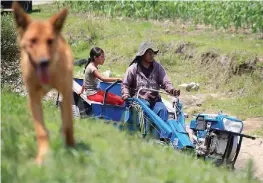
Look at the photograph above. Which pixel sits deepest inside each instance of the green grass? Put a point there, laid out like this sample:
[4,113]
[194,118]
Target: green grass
[243,98]
[241,108]
[103,153]
[232,14]
[120,38]
[259,131]
[135,31]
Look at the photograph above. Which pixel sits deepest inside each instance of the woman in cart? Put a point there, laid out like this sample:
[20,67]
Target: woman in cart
[145,72]
[92,75]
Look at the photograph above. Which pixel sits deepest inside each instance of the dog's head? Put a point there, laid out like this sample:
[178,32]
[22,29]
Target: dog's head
[38,39]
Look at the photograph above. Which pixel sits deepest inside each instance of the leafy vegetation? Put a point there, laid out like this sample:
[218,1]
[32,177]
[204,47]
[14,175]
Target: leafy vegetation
[224,64]
[104,154]
[9,52]
[246,14]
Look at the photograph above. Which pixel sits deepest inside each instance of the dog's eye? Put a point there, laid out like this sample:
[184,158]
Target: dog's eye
[49,41]
[33,40]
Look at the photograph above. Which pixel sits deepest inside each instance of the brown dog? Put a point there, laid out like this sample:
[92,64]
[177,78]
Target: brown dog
[46,63]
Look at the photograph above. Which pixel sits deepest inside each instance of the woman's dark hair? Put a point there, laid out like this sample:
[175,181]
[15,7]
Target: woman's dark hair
[94,52]
[137,59]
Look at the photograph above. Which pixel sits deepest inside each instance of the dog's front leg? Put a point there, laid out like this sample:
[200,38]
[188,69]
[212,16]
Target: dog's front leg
[66,115]
[41,132]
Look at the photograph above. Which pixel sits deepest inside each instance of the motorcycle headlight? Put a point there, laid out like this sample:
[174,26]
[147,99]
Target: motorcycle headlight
[233,126]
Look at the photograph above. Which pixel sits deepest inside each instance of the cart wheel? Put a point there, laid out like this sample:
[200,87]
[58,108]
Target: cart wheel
[26,5]
[231,152]
[75,111]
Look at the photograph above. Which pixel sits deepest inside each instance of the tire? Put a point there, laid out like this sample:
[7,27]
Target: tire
[30,6]
[232,150]
[6,4]
[75,111]
[26,5]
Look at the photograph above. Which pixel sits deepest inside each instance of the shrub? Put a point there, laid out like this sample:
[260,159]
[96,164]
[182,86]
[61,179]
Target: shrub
[10,72]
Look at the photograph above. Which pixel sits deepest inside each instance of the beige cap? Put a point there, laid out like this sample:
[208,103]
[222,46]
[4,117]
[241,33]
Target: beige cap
[145,46]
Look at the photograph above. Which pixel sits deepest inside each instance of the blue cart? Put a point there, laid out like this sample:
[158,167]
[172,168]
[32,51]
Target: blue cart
[215,137]
[134,114]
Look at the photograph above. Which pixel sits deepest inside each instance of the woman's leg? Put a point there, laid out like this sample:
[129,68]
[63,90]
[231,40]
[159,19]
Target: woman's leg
[111,98]
[97,97]
[161,110]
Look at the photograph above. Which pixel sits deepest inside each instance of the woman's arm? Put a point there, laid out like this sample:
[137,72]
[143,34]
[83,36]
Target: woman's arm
[127,83]
[165,81]
[83,85]
[82,89]
[100,76]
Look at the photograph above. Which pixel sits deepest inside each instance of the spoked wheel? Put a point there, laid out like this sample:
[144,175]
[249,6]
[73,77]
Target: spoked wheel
[230,153]
[26,5]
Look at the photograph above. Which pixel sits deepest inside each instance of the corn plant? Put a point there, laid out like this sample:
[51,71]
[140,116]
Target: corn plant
[246,14]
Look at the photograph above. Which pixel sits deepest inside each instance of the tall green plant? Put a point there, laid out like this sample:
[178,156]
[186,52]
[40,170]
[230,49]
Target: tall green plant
[9,52]
[218,14]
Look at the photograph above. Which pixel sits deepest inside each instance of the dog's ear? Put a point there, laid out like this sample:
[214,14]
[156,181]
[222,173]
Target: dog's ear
[58,20]
[21,18]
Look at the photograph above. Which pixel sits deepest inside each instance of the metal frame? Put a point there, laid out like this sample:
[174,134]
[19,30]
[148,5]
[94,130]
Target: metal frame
[159,91]
[176,112]
[105,97]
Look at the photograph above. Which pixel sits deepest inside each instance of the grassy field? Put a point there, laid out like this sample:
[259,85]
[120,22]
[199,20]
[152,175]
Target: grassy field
[102,154]
[239,95]
[235,15]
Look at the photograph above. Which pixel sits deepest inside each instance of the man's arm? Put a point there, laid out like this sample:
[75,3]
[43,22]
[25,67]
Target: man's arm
[165,81]
[127,83]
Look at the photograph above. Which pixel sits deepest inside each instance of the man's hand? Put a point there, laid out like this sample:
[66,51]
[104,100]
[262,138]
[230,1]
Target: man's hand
[175,92]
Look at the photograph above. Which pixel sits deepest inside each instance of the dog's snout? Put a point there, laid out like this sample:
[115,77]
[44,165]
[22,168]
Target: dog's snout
[44,62]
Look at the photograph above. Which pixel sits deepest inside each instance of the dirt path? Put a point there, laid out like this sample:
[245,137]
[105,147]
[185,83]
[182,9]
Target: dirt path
[252,149]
